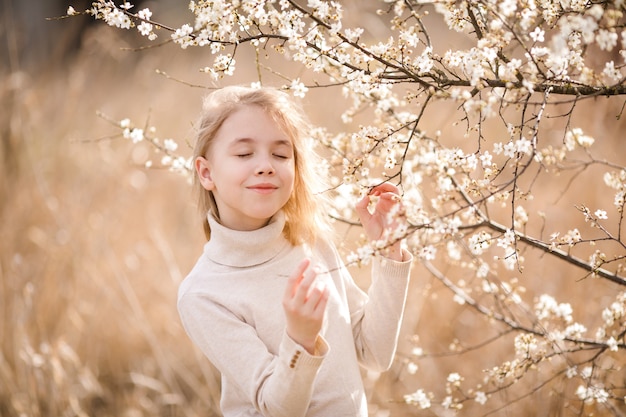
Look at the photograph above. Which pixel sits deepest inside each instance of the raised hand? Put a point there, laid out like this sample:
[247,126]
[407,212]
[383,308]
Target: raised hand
[379,221]
[304,303]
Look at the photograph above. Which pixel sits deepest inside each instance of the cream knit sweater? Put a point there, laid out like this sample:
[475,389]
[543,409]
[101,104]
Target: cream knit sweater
[231,306]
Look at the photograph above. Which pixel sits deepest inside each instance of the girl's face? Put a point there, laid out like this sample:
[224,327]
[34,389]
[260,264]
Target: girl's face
[250,169]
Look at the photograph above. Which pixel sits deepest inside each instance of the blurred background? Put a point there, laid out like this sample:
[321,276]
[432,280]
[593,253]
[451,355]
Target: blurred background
[94,245]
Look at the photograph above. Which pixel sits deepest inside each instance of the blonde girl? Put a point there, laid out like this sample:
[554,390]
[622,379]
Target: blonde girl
[269,301]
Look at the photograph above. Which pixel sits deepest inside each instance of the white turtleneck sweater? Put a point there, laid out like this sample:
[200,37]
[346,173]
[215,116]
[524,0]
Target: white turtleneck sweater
[231,307]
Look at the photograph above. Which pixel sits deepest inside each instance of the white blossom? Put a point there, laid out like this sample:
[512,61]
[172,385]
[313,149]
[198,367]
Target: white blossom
[537,35]
[480,397]
[136,135]
[419,398]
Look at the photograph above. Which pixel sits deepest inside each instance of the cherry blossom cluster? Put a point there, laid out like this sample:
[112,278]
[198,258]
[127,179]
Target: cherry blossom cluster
[167,150]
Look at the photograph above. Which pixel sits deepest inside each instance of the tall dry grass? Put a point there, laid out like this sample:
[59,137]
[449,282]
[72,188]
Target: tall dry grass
[93,246]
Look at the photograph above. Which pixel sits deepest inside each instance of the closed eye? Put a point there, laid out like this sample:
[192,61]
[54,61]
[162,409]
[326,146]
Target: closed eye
[281,156]
[243,155]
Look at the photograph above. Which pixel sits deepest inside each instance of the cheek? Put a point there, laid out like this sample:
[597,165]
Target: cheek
[292,174]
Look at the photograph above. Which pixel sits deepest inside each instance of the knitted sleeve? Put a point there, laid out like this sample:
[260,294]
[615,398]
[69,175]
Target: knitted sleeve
[275,385]
[376,316]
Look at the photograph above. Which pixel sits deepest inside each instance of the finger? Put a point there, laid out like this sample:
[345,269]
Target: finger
[363,204]
[385,188]
[364,215]
[316,300]
[315,290]
[295,278]
[320,305]
[324,292]
[387,202]
[302,290]
[390,196]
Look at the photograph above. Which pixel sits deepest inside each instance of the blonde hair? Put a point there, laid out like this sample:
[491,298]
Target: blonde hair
[305,214]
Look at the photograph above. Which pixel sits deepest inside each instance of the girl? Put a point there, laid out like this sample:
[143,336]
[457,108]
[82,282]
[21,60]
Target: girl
[269,301]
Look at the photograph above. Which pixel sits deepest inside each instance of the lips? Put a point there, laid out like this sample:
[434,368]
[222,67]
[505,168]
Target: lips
[263,188]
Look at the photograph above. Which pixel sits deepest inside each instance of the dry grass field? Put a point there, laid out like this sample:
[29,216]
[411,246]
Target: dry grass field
[94,246]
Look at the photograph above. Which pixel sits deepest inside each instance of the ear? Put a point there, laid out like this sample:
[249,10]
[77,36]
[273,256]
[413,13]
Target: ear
[203,169]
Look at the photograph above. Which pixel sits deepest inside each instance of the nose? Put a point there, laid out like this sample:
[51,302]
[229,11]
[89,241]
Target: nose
[265,166]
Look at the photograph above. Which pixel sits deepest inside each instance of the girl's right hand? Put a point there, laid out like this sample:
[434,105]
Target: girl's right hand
[304,303]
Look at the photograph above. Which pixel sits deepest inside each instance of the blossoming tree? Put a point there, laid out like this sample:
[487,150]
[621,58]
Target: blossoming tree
[479,187]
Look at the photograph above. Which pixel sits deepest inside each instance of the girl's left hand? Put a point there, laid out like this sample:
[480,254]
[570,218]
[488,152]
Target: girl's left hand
[304,303]
[377,222]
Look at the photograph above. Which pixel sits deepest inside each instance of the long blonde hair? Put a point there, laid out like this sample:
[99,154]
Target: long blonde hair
[305,211]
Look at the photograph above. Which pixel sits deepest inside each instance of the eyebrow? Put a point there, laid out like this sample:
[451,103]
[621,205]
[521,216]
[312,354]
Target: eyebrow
[277,142]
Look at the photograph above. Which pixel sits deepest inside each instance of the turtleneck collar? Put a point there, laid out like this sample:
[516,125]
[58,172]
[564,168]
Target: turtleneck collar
[245,248]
